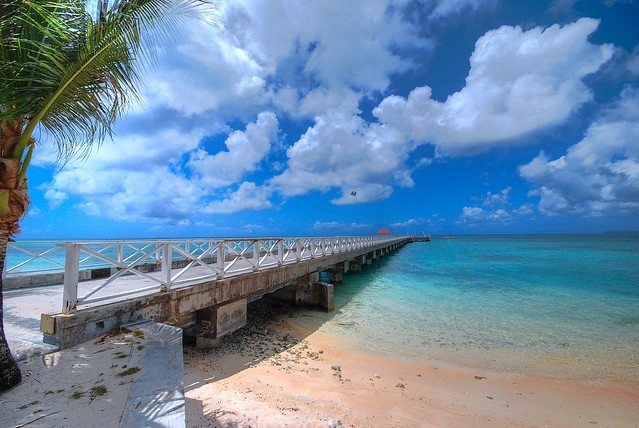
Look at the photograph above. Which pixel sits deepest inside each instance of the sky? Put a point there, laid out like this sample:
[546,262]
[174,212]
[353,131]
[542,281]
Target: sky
[332,117]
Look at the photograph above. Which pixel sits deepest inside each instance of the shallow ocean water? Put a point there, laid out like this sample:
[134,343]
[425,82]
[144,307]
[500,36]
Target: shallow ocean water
[553,305]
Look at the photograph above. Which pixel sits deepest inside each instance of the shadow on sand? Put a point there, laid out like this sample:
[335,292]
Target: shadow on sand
[273,331]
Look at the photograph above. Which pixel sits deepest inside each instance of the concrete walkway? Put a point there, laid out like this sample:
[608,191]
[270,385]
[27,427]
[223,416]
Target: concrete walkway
[156,398]
[22,310]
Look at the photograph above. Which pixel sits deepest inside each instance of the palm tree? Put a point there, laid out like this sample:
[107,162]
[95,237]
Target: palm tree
[69,74]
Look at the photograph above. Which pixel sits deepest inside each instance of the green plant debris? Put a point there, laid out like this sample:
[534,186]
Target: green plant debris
[33,403]
[98,391]
[120,355]
[138,334]
[129,371]
[77,394]
[140,347]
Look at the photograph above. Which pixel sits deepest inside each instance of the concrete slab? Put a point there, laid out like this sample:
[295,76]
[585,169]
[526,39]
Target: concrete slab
[156,398]
[22,311]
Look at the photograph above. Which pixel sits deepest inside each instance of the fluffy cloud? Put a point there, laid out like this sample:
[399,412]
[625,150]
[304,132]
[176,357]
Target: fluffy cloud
[328,225]
[600,174]
[295,39]
[290,55]
[409,222]
[497,199]
[131,178]
[632,65]
[206,72]
[519,82]
[336,225]
[245,150]
[343,151]
[450,7]
[142,177]
[158,194]
[495,208]
[248,197]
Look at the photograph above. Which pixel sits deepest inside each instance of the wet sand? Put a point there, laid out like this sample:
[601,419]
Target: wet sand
[287,372]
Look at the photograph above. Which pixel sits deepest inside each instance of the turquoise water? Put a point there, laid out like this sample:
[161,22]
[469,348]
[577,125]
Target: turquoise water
[543,305]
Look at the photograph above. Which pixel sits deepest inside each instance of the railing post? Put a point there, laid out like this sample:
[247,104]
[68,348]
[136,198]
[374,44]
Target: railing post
[167,265]
[312,248]
[220,259]
[280,252]
[256,255]
[298,249]
[71,275]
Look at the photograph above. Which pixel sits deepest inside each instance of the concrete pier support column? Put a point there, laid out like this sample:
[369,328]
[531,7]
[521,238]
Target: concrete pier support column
[346,266]
[326,295]
[216,322]
[300,291]
[303,286]
[337,276]
[316,293]
[355,266]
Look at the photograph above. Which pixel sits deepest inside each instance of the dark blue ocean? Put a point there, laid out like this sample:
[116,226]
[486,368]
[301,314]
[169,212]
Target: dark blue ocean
[557,305]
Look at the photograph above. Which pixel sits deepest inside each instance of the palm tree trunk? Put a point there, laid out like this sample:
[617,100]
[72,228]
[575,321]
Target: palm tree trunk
[9,372]
[13,206]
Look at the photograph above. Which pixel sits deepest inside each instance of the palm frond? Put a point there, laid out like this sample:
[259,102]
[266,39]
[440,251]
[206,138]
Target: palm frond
[74,73]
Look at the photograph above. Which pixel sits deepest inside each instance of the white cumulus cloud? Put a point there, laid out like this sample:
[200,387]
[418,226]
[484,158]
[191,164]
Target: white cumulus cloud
[248,197]
[495,209]
[519,82]
[245,150]
[343,151]
[600,174]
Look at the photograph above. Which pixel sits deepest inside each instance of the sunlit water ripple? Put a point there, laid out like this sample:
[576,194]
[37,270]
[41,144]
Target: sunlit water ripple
[546,305]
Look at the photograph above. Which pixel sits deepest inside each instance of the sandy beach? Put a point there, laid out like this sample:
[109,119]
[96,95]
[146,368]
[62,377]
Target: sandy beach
[287,373]
[283,370]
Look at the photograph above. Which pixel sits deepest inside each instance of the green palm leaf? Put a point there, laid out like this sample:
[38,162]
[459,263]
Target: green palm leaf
[74,73]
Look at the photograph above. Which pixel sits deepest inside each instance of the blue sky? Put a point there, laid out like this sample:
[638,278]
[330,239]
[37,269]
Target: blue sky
[341,117]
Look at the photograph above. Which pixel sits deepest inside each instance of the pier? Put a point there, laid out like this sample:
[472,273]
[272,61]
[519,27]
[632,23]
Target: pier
[202,285]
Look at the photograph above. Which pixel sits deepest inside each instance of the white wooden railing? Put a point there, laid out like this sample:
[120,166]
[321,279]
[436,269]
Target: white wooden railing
[161,265]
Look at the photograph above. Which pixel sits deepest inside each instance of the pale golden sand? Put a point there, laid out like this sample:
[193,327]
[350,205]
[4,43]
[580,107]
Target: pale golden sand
[276,380]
